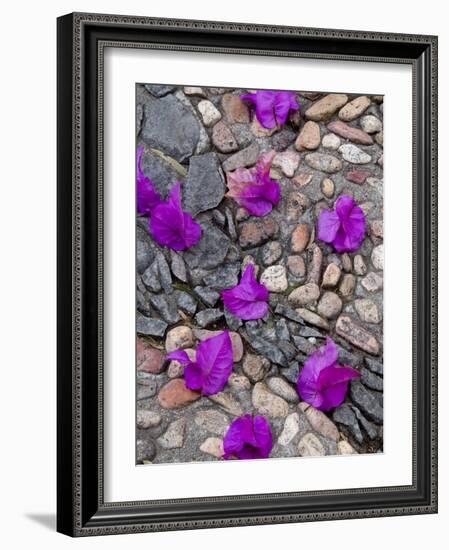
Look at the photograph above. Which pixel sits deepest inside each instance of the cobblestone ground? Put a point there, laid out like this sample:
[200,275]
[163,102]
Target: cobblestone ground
[333,147]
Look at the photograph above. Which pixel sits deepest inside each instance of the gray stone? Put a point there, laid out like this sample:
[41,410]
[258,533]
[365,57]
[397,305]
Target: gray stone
[289,313]
[211,249]
[374,366]
[227,402]
[165,277]
[208,296]
[346,416]
[292,372]
[173,438]
[232,321]
[166,306]
[369,427]
[163,170]
[368,401]
[150,277]
[186,302]
[370,124]
[271,252]
[150,327]
[144,252]
[270,351]
[324,163]
[223,277]
[304,345]
[178,267]
[282,332]
[209,113]
[205,185]
[212,421]
[208,317]
[245,157]
[145,450]
[169,125]
[373,282]
[371,380]
[353,154]
[159,90]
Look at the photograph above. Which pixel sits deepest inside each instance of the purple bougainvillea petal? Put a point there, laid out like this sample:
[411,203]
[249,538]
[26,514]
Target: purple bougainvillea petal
[254,189]
[328,225]
[344,227]
[322,382]
[249,299]
[171,226]
[272,108]
[248,438]
[333,385]
[147,196]
[179,355]
[214,357]
[193,376]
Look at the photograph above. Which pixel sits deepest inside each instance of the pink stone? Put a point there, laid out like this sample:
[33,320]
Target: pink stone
[149,359]
[357,176]
[349,132]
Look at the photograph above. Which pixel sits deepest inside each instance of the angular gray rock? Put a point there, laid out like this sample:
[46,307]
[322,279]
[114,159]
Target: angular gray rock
[205,185]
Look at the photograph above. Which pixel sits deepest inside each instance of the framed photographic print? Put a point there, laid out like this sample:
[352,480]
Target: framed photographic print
[246,274]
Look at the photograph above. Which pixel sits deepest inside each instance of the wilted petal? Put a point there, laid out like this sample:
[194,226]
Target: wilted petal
[171,226]
[147,196]
[248,438]
[179,355]
[322,382]
[249,299]
[272,108]
[214,358]
[253,189]
[344,227]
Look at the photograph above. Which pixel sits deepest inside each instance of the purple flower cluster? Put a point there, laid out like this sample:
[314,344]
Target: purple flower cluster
[249,299]
[169,225]
[248,438]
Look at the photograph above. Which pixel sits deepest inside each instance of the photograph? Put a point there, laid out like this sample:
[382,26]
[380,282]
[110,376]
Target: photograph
[259,273]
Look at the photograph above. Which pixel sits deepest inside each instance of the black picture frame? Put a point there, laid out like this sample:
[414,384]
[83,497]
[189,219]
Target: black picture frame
[81,510]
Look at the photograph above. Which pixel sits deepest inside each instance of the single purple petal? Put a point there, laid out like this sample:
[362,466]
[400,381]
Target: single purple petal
[253,189]
[248,438]
[179,355]
[147,196]
[171,226]
[249,299]
[193,376]
[265,108]
[328,225]
[214,358]
[284,102]
[333,385]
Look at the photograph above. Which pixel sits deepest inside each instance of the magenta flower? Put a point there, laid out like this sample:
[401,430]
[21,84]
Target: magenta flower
[254,189]
[343,227]
[323,383]
[212,366]
[248,437]
[147,196]
[171,226]
[249,299]
[272,108]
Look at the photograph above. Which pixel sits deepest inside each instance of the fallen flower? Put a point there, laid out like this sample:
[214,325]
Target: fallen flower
[253,188]
[212,366]
[343,227]
[323,383]
[248,437]
[171,226]
[147,196]
[249,299]
[272,107]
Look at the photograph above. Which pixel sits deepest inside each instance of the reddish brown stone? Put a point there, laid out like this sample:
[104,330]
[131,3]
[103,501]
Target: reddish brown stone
[175,394]
[234,108]
[357,176]
[349,132]
[149,359]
